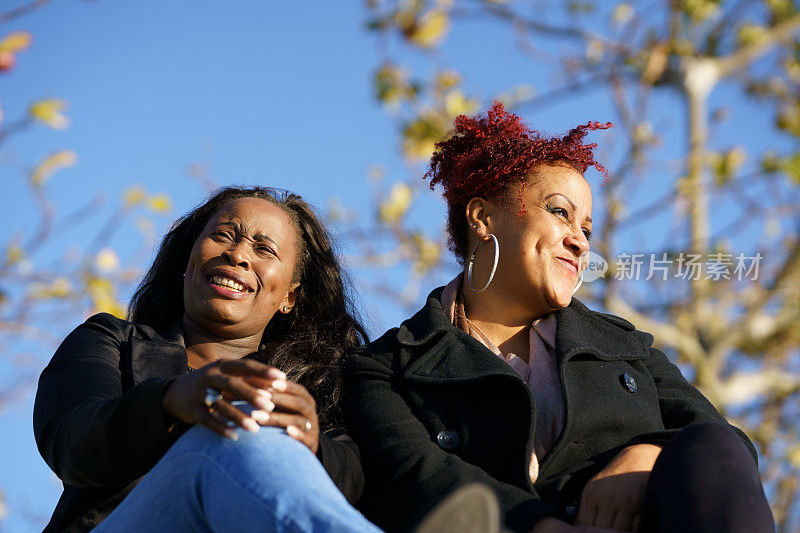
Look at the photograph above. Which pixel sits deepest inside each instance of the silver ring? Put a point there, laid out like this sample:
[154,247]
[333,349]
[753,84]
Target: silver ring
[212,396]
[308,425]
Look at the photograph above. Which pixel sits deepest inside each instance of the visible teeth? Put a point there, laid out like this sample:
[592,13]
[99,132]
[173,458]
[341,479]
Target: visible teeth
[226,282]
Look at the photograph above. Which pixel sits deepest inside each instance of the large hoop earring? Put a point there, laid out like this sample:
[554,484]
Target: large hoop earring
[472,261]
[578,286]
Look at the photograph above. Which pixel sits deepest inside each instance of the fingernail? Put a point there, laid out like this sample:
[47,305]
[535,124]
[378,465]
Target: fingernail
[293,431]
[279,385]
[259,416]
[231,434]
[266,405]
[265,393]
[250,425]
[274,373]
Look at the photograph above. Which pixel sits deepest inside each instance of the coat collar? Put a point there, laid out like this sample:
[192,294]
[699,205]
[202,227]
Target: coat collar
[452,355]
[581,330]
[156,356]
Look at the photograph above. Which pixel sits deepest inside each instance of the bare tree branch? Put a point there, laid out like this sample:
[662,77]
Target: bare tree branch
[24,9]
[729,64]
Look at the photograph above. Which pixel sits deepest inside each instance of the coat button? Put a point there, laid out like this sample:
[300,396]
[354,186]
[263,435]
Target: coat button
[629,382]
[447,439]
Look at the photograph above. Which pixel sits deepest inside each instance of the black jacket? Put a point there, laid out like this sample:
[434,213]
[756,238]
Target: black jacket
[99,423]
[431,408]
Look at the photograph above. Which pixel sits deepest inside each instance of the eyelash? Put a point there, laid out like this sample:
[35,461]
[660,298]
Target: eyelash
[560,211]
[266,249]
[229,237]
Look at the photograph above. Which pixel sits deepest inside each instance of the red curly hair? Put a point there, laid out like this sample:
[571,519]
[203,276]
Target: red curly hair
[484,156]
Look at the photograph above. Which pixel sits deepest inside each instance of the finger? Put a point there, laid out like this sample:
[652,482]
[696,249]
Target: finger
[238,388]
[284,420]
[215,423]
[229,412]
[605,515]
[252,368]
[291,403]
[281,385]
[586,510]
[636,523]
[301,436]
[622,520]
[296,428]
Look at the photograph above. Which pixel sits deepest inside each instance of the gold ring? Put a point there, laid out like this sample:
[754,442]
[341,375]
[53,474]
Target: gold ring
[212,396]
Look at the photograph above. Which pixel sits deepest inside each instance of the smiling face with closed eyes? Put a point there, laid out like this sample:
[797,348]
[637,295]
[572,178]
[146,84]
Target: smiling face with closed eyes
[241,269]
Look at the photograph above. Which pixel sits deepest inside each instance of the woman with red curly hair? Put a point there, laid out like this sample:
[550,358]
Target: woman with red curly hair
[570,416]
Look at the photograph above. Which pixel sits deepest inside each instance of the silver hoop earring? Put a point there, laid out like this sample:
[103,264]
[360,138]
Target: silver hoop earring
[472,261]
[578,286]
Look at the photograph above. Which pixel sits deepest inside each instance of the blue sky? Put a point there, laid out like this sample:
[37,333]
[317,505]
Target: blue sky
[271,93]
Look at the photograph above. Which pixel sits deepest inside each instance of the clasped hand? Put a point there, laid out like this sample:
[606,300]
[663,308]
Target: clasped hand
[278,402]
[612,499]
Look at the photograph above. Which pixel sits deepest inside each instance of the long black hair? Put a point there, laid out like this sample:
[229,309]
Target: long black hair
[305,343]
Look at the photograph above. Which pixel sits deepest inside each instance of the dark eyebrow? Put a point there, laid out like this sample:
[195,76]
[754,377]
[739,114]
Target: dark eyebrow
[242,230]
[574,207]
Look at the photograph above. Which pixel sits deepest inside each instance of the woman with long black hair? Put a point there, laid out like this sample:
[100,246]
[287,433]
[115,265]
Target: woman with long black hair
[216,406]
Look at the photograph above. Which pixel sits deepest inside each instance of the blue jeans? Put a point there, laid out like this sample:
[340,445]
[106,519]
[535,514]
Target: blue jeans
[264,481]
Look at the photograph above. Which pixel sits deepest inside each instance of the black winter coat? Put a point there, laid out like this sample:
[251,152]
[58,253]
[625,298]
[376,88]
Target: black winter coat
[431,408]
[100,426]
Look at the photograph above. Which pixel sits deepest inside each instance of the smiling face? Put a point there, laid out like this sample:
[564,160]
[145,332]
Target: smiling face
[241,268]
[539,250]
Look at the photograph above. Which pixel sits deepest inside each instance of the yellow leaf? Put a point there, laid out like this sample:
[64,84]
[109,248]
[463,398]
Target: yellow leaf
[159,203]
[429,30]
[447,80]
[16,42]
[14,254]
[397,204]
[133,195]
[419,148]
[657,63]
[456,104]
[102,293]
[391,85]
[428,253]
[107,260]
[421,134]
[793,454]
[110,306]
[699,10]
[622,14]
[49,112]
[60,288]
[752,35]
[789,119]
[51,164]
